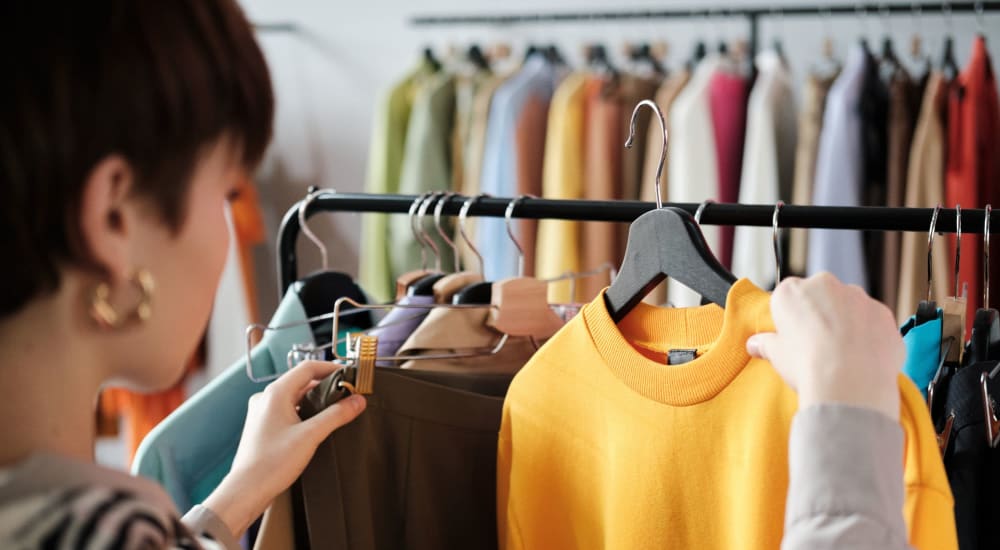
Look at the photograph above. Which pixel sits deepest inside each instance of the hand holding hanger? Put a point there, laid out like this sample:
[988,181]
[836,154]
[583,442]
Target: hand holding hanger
[276,445]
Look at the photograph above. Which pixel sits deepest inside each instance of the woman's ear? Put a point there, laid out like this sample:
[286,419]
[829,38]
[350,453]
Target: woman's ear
[104,221]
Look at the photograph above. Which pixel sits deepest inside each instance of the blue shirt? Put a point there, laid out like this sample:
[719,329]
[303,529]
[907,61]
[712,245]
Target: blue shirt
[923,350]
[499,175]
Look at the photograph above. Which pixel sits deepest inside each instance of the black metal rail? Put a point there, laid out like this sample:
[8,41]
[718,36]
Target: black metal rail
[815,217]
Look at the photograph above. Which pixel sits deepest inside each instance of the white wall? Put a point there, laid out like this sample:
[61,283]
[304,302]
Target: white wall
[327,87]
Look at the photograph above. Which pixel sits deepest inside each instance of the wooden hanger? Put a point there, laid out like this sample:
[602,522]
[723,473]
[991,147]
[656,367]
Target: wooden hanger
[661,243]
[520,304]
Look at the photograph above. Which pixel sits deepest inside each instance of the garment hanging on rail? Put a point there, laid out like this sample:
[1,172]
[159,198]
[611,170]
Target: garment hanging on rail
[768,163]
[426,164]
[385,161]
[416,470]
[810,126]
[728,91]
[630,450]
[693,168]
[502,165]
[839,175]
[905,95]
[973,168]
[925,188]
[558,248]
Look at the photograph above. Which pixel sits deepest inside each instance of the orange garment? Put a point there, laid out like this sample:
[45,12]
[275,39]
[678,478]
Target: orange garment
[141,412]
[974,159]
[601,178]
[530,143]
[248,223]
[603,444]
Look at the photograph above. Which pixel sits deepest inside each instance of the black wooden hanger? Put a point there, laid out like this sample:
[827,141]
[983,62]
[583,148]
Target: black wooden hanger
[477,293]
[425,285]
[665,242]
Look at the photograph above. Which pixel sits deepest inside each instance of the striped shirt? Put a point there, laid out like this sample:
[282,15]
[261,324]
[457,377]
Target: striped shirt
[51,502]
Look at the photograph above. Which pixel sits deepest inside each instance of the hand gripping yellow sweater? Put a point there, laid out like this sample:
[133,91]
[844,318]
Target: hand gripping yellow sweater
[604,445]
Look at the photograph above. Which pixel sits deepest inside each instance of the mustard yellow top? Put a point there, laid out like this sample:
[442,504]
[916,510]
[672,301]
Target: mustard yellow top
[605,445]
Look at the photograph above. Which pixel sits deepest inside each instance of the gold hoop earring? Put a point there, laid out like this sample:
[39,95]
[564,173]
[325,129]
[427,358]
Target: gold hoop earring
[104,313]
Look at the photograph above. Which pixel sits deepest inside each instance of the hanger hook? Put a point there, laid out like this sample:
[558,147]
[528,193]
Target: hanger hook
[946,10]
[444,234]
[776,241]
[958,243]
[421,214]
[508,214]
[311,195]
[701,210]
[986,257]
[979,16]
[412,215]
[930,244]
[663,149]
[883,12]
[462,217]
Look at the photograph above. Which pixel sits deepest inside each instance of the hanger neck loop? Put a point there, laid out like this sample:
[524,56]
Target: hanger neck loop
[663,148]
[930,248]
[311,195]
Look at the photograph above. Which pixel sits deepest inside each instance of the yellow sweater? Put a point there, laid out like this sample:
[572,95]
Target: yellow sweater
[557,251]
[603,445]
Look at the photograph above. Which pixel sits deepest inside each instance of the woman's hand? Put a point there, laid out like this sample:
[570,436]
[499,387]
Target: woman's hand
[277,445]
[833,344]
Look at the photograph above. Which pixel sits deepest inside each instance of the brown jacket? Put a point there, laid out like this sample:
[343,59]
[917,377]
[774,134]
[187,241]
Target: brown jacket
[925,188]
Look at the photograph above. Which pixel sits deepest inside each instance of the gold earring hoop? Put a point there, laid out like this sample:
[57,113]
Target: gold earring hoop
[104,313]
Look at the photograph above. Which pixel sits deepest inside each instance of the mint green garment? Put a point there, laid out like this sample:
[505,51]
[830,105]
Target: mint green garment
[385,159]
[193,449]
[426,167]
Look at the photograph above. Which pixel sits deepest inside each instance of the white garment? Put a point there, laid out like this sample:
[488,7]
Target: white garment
[839,175]
[768,164]
[692,171]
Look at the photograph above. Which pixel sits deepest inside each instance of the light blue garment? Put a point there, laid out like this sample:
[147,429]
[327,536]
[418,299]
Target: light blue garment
[923,350]
[193,449]
[840,175]
[499,176]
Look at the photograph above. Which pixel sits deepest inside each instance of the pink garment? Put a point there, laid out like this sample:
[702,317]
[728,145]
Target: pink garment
[728,96]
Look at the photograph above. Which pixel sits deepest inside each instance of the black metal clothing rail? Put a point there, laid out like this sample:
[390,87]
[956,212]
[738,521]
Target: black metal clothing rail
[751,14]
[854,8]
[814,217]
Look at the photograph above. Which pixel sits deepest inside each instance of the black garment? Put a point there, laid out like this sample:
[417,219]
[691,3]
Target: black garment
[874,107]
[417,470]
[973,467]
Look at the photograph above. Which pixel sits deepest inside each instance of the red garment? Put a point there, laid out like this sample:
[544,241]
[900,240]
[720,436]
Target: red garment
[974,162]
[728,96]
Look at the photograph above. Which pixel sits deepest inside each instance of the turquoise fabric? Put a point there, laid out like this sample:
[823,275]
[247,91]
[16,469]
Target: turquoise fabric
[923,350]
[193,449]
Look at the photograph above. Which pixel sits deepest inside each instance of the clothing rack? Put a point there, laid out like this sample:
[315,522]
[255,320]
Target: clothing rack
[856,218]
[751,14]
